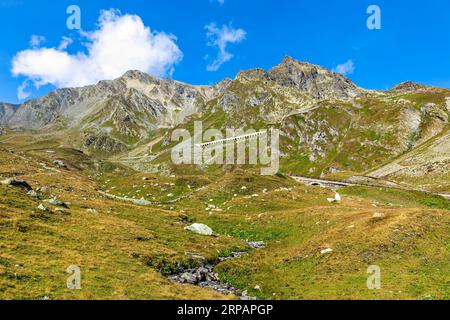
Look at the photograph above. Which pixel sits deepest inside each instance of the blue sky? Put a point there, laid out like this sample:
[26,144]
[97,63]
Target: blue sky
[413,43]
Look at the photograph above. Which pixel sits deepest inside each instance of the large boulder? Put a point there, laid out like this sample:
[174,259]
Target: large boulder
[200,229]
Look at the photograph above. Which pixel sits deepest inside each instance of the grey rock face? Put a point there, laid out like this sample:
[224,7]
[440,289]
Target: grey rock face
[103,143]
[7,111]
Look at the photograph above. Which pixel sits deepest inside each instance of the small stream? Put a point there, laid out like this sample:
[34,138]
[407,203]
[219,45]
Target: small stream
[205,277]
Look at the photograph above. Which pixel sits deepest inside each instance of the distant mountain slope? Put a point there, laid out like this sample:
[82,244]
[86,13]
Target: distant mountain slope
[328,124]
[137,98]
[364,133]
[427,166]
[118,114]
[112,115]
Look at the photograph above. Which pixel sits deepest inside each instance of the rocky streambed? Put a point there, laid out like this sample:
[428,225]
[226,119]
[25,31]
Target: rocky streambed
[205,277]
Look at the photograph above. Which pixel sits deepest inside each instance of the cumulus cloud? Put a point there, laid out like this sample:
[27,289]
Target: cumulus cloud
[220,38]
[345,68]
[120,43]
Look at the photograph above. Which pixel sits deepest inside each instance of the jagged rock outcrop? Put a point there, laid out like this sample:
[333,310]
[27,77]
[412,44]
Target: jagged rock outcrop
[317,82]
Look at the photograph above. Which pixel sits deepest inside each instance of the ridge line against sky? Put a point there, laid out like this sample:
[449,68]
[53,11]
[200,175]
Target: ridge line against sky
[205,41]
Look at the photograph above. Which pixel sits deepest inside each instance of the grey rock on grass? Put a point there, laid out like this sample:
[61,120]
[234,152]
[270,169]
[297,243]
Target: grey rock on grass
[199,228]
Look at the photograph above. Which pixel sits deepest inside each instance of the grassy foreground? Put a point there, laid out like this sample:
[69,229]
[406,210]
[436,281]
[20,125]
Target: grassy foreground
[124,249]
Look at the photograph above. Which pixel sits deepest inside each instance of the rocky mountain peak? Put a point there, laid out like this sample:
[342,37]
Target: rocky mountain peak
[139,76]
[312,79]
[408,86]
[289,61]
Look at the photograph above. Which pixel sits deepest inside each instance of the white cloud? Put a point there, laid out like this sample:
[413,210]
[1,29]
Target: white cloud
[121,43]
[220,38]
[65,42]
[345,68]
[21,91]
[36,40]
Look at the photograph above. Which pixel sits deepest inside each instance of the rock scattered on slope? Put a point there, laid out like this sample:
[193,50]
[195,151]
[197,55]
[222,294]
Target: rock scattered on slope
[377,215]
[257,244]
[205,277]
[327,250]
[42,189]
[199,228]
[62,210]
[337,198]
[59,164]
[33,194]
[58,203]
[42,207]
[142,202]
[196,275]
[17,183]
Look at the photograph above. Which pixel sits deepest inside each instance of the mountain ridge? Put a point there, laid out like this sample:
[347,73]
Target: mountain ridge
[313,80]
[328,124]
[66,96]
